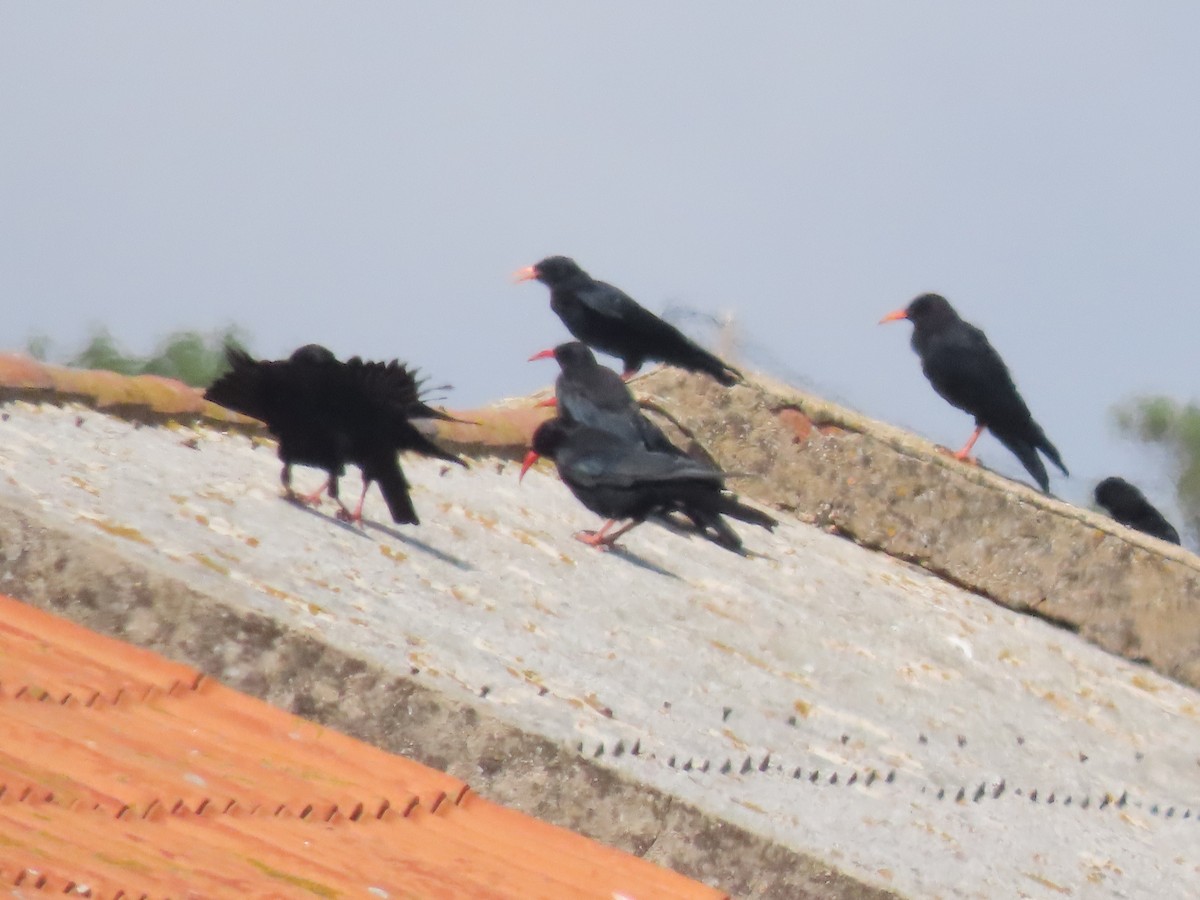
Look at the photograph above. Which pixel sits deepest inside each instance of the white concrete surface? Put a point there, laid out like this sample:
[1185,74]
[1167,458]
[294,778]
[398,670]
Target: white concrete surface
[832,660]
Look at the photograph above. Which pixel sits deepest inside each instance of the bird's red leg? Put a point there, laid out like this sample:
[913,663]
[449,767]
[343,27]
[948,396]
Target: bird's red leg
[599,539]
[346,516]
[313,499]
[964,453]
[596,538]
[611,540]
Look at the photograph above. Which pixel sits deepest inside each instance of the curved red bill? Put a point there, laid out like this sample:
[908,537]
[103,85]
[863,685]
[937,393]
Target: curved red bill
[547,401]
[894,316]
[530,458]
[526,274]
[542,354]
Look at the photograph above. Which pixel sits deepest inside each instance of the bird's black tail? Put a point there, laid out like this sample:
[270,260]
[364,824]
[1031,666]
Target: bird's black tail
[418,443]
[395,493]
[1027,453]
[730,505]
[1052,453]
[711,526]
[1025,444]
[708,521]
[687,354]
[703,361]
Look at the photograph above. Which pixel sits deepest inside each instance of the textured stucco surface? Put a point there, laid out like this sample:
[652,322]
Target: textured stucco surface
[817,708]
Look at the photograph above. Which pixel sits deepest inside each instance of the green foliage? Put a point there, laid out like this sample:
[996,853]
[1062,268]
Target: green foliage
[193,358]
[1176,428]
[39,347]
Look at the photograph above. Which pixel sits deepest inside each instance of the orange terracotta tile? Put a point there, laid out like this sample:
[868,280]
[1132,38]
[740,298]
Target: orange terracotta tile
[20,371]
[161,788]
[167,396]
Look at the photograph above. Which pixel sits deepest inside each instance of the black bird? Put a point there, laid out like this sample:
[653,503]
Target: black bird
[326,413]
[618,479]
[590,394]
[968,373]
[611,321]
[1127,505]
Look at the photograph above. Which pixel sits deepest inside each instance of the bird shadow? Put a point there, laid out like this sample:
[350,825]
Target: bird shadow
[418,544]
[326,517]
[687,529]
[641,562]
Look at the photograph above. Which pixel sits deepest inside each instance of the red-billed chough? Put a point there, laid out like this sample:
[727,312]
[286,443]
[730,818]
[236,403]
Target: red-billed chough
[969,374]
[1127,505]
[326,413]
[594,395]
[620,479]
[609,320]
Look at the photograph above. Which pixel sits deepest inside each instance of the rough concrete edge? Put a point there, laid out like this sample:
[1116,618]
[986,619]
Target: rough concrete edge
[97,587]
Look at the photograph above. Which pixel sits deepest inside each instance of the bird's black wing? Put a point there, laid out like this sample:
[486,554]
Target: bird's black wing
[283,394]
[968,373]
[611,302]
[608,319]
[395,383]
[247,387]
[582,409]
[965,369]
[598,398]
[617,307]
[596,459]
[381,399]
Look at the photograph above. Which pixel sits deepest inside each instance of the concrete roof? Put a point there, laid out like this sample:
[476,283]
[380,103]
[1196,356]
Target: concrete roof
[864,724]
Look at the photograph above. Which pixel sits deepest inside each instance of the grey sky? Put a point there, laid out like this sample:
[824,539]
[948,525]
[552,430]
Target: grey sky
[368,176]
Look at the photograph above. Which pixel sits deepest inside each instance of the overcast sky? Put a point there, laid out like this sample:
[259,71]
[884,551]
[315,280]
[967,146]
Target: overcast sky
[369,175]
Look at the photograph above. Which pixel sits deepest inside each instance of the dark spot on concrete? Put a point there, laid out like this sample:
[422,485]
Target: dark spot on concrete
[305,705]
[86,597]
[489,765]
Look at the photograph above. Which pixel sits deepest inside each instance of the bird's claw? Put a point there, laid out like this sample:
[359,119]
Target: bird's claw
[593,539]
[959,455]
[344,515]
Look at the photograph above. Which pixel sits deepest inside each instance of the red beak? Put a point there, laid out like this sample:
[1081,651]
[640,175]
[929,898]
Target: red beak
[895,316]
[543,354]
[526,274]
[549,401]
[530,459]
